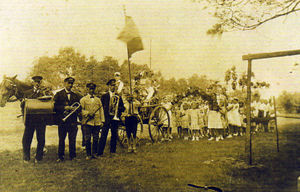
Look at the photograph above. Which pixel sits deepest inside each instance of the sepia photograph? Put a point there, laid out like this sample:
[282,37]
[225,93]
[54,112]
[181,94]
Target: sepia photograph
[149,96]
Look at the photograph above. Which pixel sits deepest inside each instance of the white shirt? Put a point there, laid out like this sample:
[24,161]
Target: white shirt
[120,87]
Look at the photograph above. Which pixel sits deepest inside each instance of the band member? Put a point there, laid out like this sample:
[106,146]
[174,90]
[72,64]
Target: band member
[64,103]
[119,83]
[33,124]
[131,123]
[113,107]
[92,119]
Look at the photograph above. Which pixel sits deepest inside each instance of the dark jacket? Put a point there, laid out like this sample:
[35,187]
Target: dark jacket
[61,100]
[105,99]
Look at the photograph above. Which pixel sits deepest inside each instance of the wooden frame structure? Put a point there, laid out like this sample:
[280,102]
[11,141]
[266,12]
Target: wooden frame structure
[249,58]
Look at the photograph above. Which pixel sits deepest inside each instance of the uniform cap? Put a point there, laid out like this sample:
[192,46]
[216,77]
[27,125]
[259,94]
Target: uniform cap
[37,78]
[69,79]
[91,85]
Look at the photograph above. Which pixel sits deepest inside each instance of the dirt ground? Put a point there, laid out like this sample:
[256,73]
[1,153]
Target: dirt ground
[168,166]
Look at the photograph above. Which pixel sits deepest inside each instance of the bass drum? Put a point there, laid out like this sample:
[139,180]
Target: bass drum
[39,111]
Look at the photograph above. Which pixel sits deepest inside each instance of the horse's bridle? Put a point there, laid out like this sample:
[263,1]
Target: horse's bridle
[13,87]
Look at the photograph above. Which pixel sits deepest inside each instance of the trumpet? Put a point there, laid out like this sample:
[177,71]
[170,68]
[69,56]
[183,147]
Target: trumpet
[68,114]
[114,107]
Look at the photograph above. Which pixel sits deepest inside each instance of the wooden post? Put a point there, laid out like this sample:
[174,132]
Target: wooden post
[276,128]
[248,143]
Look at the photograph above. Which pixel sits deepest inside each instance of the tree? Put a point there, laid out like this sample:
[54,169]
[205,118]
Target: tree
[68,62]
[247,14]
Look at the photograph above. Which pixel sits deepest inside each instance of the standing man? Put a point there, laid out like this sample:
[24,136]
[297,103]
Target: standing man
[63,101]
[92,119]
[113,107]
[119,83]
[33,123]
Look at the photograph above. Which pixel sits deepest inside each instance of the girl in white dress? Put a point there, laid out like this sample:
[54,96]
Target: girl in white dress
[234,118]
[195,129]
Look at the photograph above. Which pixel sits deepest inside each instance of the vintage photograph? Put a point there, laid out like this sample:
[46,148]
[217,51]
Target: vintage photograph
[149,95]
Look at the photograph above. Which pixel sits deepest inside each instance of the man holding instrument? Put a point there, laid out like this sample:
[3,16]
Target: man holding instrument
[66,106]
[34,123]
[113,107]
[92,120]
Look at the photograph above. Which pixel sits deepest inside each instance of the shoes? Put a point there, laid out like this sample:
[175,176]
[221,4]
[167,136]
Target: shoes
[37,161]
[193,139]
[134,150]
[60,160]
[130,150]
[212,138]
[112,154]
[94,157]
[217,139]
[229,136]
[221,137]
[88,158]
[197,138]
[26,161]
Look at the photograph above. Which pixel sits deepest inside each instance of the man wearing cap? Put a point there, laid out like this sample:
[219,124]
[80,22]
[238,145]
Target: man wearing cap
[63,101]
[119,83]
[113,107]
[33,124]
[92,119]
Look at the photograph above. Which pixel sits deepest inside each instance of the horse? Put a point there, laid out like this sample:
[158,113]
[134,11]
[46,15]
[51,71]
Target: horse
[11,86]
[42,107]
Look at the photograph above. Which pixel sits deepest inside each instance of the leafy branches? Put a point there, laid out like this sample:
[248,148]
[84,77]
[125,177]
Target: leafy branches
[247,14]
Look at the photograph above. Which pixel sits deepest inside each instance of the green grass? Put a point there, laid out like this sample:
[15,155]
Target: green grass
[168,166]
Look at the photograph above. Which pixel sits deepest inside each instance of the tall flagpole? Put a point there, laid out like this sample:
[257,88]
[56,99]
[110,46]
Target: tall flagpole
[150,53]
[130,85]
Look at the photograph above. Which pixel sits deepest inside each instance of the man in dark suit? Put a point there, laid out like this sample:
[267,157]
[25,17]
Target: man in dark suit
[63,101]
[111,102]
[33,124]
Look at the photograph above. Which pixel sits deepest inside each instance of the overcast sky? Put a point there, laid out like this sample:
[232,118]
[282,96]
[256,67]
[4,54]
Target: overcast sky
[176,28]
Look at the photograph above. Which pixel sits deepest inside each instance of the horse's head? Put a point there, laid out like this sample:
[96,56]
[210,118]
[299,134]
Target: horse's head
[8,88]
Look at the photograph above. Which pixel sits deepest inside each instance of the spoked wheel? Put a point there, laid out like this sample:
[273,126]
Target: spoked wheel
[139,132]
[122,132]
[159,123]
[122,138]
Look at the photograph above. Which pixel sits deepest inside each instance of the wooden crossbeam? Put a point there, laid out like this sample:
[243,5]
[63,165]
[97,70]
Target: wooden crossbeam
[270,55]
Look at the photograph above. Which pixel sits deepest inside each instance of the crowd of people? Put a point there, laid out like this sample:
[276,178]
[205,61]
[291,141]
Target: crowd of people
[217,116]
[211,114]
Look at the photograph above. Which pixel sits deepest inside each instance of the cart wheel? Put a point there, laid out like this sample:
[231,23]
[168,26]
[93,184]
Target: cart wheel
[139,132]
[122,138]
[159,121]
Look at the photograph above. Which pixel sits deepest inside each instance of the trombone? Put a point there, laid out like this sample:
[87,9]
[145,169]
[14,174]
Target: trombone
[68,114]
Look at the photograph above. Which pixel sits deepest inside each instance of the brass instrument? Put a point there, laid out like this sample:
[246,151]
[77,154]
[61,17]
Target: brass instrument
[114,107]
[68,114]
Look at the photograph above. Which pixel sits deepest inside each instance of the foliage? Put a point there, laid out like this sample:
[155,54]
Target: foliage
[245,14]
[289,102]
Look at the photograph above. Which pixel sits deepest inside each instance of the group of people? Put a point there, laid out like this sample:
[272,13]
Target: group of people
[212,115]
[217,117]
[95,114]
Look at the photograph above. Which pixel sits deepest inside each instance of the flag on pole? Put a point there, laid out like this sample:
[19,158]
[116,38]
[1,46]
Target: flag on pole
[130,35]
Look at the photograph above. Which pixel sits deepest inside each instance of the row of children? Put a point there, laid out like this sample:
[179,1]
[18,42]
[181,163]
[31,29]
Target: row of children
[214,119]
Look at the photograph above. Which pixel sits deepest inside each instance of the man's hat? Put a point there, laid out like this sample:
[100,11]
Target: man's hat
[111,81]
[37,78]
[117,74]
[69,79]
[91,85]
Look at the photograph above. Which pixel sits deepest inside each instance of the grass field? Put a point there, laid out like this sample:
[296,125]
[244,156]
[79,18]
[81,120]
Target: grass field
[167,166]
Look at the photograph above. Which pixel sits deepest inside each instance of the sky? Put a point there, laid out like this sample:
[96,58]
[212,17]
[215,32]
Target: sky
[175,28]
